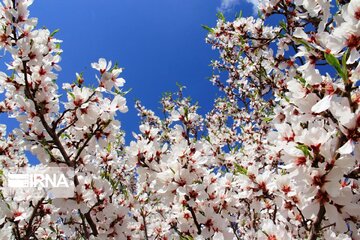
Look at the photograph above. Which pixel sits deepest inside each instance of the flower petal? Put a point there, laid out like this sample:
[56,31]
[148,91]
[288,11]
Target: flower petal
[354,56]
[299,33]
[347,148]
[322,105]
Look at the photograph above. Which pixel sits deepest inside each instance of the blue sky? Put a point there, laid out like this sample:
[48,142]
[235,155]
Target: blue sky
[158,42]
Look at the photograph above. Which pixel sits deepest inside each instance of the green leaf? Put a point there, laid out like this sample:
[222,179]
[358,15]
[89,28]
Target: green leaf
[126,92]
[236,148]
[344,67]
[125,192]
[267,119]
[65,135]
[186,111]
[71,95]
[243,222]
[54,32]
[52,228]
[338,134]
[187,237]
[333,61]
[303,42]
[240,169]
[344,58]
[283,25]
[108,148]
[207,28]
[221,16]
[206,138]
[302,81]
[116,66]
[239,15]
[305,149]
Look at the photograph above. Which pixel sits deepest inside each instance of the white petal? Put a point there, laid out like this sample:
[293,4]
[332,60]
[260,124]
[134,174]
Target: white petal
[331,211]
[120,82]
[332,186]
[334,44]
[333,214]
[95,66]
[347,148]
[310,210]
[299,33]
[296,88]
[354,56]
[322,105]
[345,162]
[108,66]
[219,236]
[102,63]
[311,75]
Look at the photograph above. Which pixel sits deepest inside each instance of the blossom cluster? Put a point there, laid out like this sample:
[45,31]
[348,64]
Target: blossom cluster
[81,132]
[277,157]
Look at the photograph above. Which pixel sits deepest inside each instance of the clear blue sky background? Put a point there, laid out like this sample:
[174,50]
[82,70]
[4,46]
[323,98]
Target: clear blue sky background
[158,42]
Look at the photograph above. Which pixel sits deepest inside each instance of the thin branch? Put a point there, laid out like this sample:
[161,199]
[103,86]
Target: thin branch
[99,127]
[198,226]
[316,227]
[329,225]
[91,223]
[303,219]
[145,226]
[40,114]
[29,230]
[83,224]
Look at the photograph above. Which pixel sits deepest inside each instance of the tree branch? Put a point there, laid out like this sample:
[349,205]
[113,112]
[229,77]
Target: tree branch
[198,226]
[316,227]
[29,230]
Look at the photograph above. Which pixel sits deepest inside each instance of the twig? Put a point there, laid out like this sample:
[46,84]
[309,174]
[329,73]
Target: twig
[316,227]
[145,226]
[83,224]
[29,229]
[91,223]
[198,226]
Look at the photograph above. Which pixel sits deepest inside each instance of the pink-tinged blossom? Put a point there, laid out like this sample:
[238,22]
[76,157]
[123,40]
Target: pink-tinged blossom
[102,65]
[276,157]
[322,105]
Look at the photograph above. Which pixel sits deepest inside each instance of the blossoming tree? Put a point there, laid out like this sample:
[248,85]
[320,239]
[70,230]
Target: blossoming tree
[276,158]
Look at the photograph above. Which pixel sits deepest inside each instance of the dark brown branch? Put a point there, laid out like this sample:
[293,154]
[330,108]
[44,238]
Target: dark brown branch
[16,231]
[274,215]
[99,127]
[145,226]
[329,225]
[91,223]
[67,127]
[83,224]
[40,114]
[316,227]
[233,227]
[198,226]
[304,222]
[29,230]
[354,174]
[56,123]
